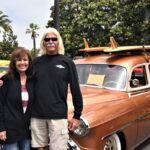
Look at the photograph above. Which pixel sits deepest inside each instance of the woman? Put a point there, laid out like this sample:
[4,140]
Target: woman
[16,98]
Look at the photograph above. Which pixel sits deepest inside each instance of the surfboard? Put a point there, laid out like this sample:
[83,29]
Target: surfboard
[127,48]
[94,49]
[114,47]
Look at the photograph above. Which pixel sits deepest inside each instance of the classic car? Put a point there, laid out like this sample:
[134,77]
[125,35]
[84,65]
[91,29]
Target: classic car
[3,66]
[115,85]
[3,69]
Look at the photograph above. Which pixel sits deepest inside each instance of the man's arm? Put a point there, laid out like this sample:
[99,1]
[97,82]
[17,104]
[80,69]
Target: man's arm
[77,98]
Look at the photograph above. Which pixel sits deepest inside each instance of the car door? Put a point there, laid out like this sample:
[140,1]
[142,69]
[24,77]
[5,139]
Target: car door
[141,92]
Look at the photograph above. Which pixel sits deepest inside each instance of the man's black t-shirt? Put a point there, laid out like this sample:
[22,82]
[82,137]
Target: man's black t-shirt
[53,74]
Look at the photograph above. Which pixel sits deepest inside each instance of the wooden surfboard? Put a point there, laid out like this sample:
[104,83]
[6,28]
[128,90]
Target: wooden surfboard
[114,47]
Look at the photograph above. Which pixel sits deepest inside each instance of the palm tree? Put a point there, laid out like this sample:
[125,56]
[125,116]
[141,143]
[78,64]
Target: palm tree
[56,15]
[32,29]
[5,22]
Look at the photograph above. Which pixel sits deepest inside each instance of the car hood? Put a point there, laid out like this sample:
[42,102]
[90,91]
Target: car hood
[101,105]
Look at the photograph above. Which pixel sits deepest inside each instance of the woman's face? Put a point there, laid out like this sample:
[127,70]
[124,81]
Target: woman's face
[22,64]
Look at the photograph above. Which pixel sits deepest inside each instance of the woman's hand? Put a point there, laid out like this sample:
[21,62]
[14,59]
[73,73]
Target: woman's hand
[3,135]
[1,82]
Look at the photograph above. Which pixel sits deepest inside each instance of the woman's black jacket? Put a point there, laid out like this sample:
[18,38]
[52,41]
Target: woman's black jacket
[12,118]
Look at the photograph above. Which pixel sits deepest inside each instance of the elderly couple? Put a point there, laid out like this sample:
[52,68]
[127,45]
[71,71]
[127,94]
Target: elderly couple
[34,96]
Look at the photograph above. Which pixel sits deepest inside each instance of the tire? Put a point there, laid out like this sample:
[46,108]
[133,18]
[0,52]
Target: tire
[112,143]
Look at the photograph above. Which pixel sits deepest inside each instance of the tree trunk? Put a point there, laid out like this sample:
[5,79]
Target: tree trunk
[34,46]
[146,34]
[56,15]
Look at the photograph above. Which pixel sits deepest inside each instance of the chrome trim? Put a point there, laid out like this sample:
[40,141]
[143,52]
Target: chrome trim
[85,121]
[72,145]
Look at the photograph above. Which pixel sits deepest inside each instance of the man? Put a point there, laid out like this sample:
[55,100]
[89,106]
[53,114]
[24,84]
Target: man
[53,73]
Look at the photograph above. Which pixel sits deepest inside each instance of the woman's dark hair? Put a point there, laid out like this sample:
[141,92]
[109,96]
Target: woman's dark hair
[18,53]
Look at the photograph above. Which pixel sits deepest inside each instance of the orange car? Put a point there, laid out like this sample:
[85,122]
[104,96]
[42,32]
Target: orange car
[115,84]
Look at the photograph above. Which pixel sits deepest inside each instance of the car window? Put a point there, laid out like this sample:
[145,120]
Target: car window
[102,75]
[138,77]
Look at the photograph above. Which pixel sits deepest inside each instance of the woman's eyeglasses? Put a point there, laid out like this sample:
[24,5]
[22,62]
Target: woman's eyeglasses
[50,39]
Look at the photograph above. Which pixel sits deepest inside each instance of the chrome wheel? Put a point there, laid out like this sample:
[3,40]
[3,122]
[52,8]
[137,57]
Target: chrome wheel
[113,143]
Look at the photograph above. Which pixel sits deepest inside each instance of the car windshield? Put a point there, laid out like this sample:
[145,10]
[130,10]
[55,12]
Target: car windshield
[102,75]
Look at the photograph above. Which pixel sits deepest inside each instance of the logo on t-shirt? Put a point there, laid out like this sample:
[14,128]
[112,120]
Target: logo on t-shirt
[60,66]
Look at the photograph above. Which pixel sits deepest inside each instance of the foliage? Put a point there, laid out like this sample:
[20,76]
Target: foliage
[5,22]
[8,44]
[35,53]
[98,20]
[133,24]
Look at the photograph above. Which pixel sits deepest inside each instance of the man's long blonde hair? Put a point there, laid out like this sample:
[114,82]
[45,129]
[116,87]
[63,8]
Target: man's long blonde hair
[60,41]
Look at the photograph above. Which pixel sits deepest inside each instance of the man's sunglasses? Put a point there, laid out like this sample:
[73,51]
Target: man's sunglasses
[50,39]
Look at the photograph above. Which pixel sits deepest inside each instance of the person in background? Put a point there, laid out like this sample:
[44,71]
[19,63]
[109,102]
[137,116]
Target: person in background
[16,99]
[53,73]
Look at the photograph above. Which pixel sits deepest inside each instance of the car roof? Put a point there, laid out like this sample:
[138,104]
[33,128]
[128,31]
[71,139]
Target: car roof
[122,60]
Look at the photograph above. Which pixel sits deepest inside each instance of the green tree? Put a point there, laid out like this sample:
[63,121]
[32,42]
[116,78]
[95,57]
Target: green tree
[98,20]
[8,44]
[133,25]
[9,41]
[37,52]
[32,30]
[88,19]
[5,22]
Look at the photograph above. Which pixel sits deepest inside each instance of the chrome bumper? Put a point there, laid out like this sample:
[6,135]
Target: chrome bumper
[72,145]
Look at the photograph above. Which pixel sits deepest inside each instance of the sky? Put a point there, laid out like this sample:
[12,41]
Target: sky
[24,12]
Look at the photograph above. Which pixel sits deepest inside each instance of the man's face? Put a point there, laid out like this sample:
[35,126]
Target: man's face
[51,43]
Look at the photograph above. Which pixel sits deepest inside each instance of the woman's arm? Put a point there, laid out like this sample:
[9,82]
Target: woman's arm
[3,94]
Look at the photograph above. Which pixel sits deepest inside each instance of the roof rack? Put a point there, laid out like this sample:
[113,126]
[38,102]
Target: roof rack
[114,47]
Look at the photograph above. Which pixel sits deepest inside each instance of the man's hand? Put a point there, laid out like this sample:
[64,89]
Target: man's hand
[3,135]
[73,124]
